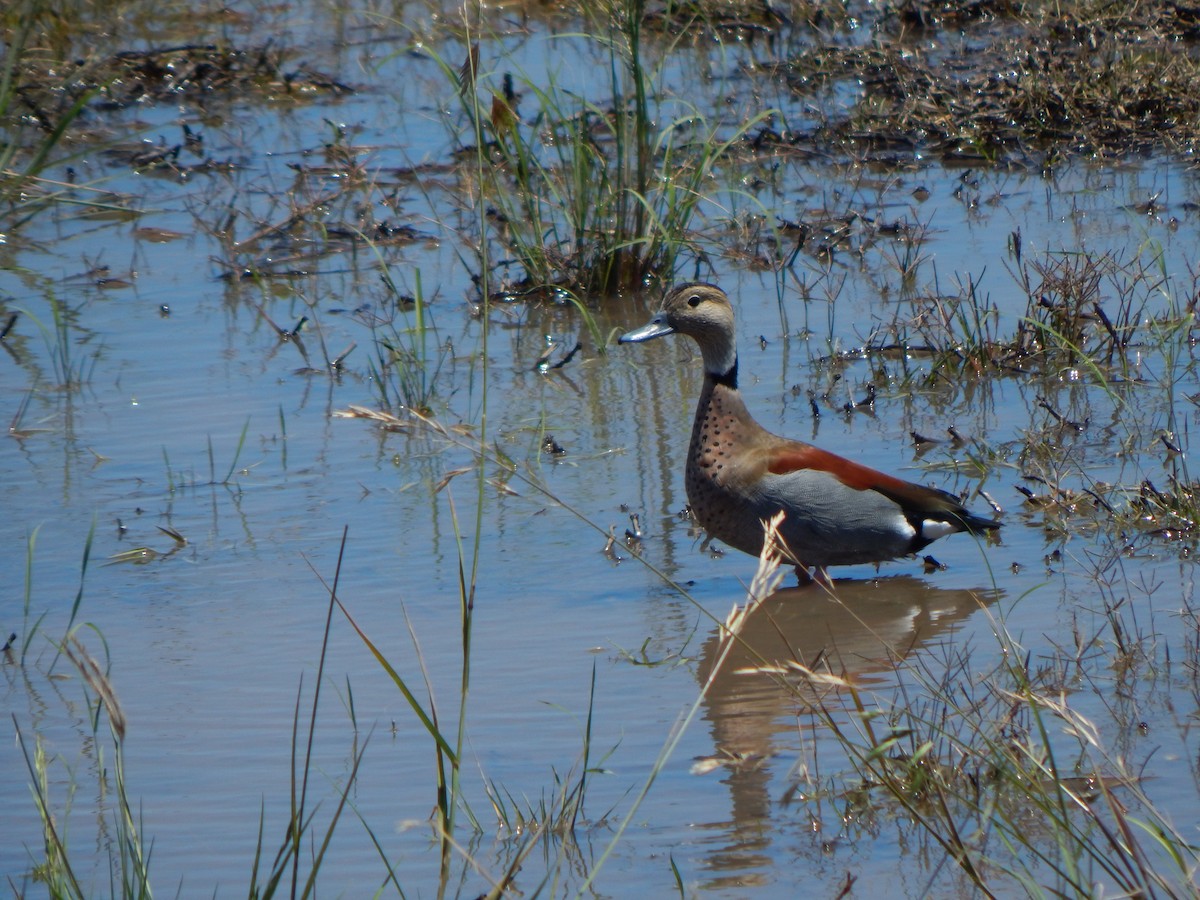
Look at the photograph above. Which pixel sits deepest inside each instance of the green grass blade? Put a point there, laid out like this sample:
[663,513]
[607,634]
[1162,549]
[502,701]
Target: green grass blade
[402,686]
[238,452]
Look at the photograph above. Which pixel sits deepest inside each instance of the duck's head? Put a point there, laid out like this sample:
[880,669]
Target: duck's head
[701,311]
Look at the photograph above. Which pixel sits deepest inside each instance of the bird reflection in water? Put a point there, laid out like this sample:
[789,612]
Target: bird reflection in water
[857,632]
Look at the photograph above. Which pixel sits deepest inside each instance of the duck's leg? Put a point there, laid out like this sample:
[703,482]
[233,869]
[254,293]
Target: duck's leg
[816,575]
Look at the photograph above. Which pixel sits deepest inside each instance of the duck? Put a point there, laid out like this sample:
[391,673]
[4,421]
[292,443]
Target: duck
[836,511]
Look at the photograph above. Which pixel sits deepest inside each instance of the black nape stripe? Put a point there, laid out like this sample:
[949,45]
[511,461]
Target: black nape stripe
[729,378]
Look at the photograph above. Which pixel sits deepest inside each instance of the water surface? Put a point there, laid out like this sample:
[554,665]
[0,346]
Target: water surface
[210,644]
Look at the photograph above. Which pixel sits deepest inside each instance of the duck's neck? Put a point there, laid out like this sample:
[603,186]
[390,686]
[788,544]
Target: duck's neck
[728,377]
[720,358]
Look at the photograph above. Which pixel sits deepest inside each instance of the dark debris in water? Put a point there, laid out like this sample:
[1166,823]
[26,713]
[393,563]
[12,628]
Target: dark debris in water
[991,81]
[206,69]
[196,72]
[1167,515]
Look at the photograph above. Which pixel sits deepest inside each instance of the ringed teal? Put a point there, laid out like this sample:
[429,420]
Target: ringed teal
[836,511]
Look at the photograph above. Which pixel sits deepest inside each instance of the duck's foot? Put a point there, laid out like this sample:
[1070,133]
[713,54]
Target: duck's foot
[815,575]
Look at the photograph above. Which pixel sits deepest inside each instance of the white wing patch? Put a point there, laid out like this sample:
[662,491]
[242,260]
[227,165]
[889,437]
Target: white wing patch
[932,529]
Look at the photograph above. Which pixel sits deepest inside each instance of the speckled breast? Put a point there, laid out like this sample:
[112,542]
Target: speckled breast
[721,506]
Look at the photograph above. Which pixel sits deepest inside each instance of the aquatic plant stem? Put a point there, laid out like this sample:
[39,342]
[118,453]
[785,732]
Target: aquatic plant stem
[467,585]
[28,631]
[296,828]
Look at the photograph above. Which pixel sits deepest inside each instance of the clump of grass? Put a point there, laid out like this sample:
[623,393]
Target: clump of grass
[1083,311]
[129,859]
[1066,309]
[1003,773]
[177,479]
[957,331]
[587,197]
[31,627]
[408,356]
[63,336]
[1170,512]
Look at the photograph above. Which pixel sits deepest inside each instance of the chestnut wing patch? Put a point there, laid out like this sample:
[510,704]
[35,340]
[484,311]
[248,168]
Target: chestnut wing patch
[912,498]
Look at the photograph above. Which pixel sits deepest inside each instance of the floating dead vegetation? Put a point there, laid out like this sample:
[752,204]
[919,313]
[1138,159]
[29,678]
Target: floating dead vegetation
[989,82]
[47,94]
[742,20]
[313,224]
[196,72]
[413,421]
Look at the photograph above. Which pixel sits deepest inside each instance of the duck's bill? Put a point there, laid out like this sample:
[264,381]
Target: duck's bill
[657,327]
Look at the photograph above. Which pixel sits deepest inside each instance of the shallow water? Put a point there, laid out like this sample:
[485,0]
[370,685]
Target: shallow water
[209,644]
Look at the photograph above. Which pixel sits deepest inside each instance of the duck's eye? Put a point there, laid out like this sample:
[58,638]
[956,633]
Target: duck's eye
[694,301]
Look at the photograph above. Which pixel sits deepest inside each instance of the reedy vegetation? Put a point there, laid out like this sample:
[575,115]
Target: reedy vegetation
[583,198]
